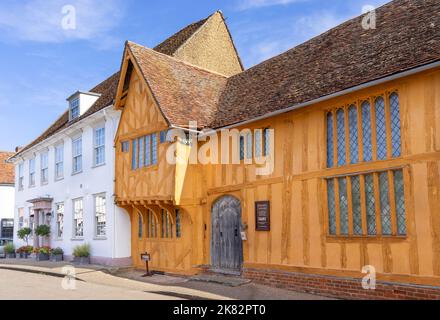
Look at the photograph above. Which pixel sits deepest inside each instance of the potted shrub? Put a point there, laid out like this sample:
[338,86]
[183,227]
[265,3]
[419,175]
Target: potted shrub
[81,254]
[43,230]
[42,254]
[10,251]
[25,251]
[24,234]
[56,255]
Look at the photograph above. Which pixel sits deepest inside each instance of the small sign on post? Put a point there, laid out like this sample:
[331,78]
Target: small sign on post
[146,257]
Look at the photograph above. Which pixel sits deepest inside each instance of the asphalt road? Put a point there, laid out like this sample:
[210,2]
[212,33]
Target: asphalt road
[30,286]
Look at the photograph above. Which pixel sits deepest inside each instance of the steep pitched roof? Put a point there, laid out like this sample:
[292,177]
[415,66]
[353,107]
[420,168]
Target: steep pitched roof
[184,92]
[173,43]
[407,35]
[7,173]
[108,87]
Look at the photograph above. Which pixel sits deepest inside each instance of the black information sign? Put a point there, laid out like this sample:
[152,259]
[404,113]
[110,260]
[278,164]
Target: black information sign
[262,215]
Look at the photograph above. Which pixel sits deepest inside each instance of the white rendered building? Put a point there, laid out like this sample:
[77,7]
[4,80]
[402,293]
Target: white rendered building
[7,195]
[65,179]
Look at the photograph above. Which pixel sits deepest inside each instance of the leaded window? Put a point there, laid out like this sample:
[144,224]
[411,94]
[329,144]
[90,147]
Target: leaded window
[141,143]
[330,143]
[154,148]
[241,147]
[343,205]
[367,141]
[356,204]
[399,198]
[140,225]
[395,125]
[258,143]
[385,209]
[353,134]
[381,129]
[340,125]
[267,133]
[331,206]
[134,154]
[348,215]
[178,224]
[249,145]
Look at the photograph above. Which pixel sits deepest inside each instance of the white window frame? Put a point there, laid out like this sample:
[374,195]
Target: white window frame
[59,162]
[32,172]
[21,176]
[77,156]
[75,234]
[59,226]
[95,205]
[74,105]
[98,146]
[44,167]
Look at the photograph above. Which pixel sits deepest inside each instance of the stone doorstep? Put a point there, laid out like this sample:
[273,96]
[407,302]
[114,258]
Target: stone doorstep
[230,281]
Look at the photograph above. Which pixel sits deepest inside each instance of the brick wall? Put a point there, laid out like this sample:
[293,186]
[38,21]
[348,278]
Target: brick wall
[338,287]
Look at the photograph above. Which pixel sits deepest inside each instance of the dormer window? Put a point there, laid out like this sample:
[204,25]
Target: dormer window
[74,109]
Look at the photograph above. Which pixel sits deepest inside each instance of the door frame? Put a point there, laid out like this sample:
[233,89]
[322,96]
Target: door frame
[211,246]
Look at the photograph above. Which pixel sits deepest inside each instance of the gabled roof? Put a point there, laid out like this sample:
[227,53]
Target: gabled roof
[7,173]
[173,43]
[108,87]
[184,92]
[407,36]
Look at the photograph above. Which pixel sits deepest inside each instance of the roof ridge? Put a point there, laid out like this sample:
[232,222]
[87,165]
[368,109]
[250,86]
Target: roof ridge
[178,60]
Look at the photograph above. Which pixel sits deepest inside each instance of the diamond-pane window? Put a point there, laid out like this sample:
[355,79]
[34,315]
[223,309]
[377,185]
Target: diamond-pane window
[343,205]
[370,204]
[356,204]
[353,133]
[330,140]
[366,132]
[341,137]
[331,206]
[381,129]
[395,125]
[399,196]
[385,209]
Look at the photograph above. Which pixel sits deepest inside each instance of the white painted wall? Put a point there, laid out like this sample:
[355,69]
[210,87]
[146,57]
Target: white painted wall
[7,201]
[92,180]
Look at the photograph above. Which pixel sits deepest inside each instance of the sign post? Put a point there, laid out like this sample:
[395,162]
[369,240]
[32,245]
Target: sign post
[146,257]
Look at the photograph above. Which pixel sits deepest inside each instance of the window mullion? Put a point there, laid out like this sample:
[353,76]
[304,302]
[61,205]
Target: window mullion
[377,205]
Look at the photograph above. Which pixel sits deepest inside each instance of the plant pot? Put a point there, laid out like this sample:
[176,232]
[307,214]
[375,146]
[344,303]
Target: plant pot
[42,257]
[11,256]
[56,257]
[24,255]
[81,260]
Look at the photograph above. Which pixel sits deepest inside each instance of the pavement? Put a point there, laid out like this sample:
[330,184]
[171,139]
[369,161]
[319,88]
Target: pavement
[103,283]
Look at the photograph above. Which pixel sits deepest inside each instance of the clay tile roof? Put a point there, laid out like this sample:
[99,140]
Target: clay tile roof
[107,89]
[170,45]
[6,169]
[407,35]
[183,92]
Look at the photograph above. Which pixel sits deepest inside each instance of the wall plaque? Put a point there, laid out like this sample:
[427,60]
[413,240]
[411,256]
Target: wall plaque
[262,216]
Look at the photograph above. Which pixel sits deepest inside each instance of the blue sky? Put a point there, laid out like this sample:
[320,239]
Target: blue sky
[41,64]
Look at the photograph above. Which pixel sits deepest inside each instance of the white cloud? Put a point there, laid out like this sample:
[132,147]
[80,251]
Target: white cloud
[41,20]
[249,4]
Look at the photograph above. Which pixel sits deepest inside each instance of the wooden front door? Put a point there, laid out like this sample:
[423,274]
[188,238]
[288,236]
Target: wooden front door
[226,243]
